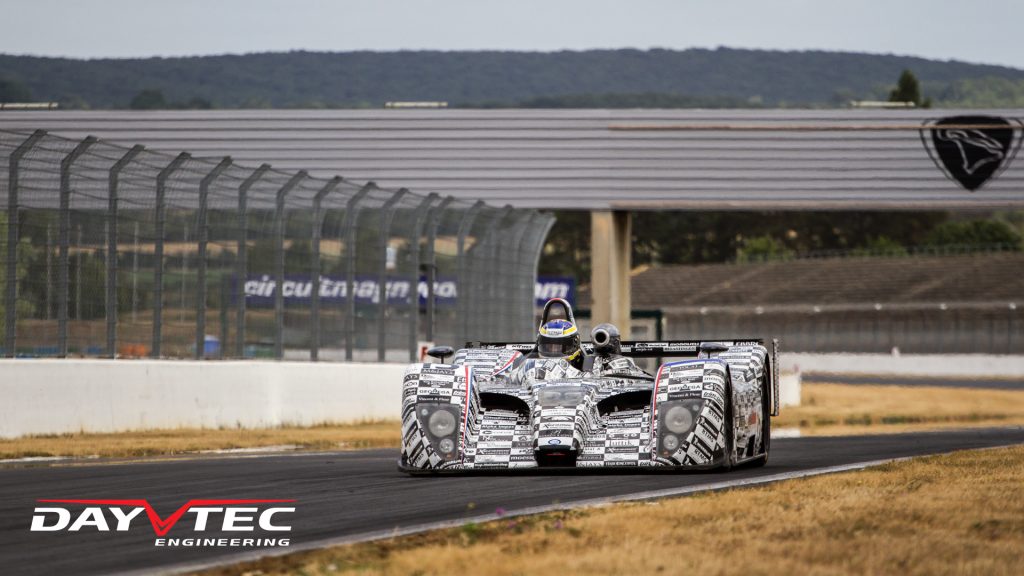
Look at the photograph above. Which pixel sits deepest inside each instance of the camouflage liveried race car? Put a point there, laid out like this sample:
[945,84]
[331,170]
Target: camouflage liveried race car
[496,408]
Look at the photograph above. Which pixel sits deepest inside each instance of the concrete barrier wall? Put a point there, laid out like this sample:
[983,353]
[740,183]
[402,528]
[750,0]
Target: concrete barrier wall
[58,396]
[923,365]
[790,384]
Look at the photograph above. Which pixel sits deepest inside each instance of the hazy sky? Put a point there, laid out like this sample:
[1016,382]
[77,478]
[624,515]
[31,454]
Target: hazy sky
[986,31]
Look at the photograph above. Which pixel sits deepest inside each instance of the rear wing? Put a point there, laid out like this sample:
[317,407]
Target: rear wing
[634,348]
[667,349]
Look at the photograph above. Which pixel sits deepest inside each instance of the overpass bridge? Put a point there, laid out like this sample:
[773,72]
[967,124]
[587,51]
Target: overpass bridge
[609,162]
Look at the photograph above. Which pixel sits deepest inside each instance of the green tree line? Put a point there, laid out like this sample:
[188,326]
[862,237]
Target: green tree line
[647,78]
[669,238]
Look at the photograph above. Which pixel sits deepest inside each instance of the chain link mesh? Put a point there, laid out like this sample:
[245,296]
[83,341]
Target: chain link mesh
[117,251]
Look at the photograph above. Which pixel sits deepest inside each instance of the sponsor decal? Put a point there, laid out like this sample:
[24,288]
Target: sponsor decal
[614,463]
[971,150]
[623,443]
[714,396]
[437,371]
[503,451]
[265,521]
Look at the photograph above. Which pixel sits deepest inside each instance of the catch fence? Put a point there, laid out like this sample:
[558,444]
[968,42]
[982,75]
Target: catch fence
[115,251]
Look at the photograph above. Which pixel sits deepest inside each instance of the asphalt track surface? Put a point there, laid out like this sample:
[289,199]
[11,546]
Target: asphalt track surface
[350,494]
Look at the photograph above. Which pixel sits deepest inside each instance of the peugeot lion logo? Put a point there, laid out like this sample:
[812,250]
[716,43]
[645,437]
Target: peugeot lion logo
[972,149]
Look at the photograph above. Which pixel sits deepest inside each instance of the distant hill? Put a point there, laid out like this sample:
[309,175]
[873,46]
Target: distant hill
[697,77]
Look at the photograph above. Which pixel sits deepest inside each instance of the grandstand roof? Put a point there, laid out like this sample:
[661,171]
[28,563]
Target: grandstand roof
[578,159]
[986,277]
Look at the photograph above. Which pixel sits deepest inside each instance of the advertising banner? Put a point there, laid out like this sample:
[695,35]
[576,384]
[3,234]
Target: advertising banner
[260,290]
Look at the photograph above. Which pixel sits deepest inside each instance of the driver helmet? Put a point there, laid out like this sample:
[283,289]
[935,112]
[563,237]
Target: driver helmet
[560,338]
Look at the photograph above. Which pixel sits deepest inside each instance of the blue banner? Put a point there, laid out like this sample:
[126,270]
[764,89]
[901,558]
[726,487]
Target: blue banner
[549,287]
[260,290]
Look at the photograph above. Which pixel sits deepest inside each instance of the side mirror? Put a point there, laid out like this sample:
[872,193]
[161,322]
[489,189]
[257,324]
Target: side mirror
[440,352]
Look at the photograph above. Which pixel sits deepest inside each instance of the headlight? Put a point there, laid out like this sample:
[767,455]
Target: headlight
[678,419]
[441,423]
[670,442]
[446,445]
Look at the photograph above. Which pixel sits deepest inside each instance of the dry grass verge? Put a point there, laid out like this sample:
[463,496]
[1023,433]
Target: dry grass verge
[381,434]
[961,513]
[838,409]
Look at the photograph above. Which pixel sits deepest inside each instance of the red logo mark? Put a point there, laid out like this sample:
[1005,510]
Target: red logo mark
[160,525]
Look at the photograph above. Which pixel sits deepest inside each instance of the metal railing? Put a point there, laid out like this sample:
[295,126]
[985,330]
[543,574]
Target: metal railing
[893,252]
[992,327]
[116,251]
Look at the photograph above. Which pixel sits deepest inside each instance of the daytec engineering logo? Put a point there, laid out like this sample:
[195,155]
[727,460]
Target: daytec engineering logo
[264,521]
[971,150]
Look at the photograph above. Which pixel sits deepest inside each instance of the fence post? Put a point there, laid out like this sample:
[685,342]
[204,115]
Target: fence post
[64,228]
[11,293]
[351,217]
[225,298]
[387,217]
[49,271]
[112,183]
[78,269]
[279,226]
[314,303]
[1009,327]
[434,220]
[158,250]
[203,233]
[422,214]
[489,328]
[520,308]
[241,258]
[462,286]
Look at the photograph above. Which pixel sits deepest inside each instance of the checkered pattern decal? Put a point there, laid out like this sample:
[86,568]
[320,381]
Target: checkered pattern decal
[545,404]
[702,383]
[624,440]
[747,368]
[504,442]
[487,363]
[431,387]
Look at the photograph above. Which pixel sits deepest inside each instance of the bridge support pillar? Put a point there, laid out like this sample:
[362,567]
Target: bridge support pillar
[610,264]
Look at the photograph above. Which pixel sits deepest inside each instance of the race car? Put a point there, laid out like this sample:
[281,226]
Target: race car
[510,406]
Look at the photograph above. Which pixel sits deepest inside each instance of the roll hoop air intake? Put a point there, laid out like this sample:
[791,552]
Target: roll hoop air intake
[606,339]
